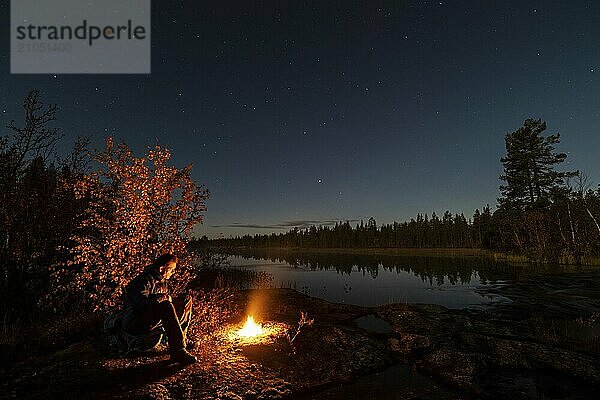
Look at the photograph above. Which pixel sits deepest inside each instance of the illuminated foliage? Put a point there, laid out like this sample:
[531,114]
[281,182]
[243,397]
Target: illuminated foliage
[137,209]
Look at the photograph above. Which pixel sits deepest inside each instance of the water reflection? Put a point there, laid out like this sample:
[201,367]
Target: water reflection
[434,270]
[373,279]
[378,279]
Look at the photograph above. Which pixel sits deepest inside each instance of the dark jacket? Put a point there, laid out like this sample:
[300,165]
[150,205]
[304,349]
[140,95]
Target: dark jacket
[147,288]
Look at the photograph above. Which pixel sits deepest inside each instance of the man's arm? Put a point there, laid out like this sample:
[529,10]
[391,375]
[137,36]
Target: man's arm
[138,292]
[144,290]
[159,297]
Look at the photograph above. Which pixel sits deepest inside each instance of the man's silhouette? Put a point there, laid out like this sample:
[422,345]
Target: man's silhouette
[148,304]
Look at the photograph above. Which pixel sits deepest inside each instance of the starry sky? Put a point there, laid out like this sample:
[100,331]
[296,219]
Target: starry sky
[297,113]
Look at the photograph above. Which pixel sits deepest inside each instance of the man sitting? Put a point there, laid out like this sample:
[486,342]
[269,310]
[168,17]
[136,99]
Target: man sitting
[148,305]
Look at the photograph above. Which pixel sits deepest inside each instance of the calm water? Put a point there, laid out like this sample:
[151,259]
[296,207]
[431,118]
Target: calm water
[468,282]
[360,287]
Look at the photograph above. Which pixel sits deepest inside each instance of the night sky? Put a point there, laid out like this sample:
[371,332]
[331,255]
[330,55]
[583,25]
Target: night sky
[297,113]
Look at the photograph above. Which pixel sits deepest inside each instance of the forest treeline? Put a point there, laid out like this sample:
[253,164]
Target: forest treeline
[451,230]
[544,213]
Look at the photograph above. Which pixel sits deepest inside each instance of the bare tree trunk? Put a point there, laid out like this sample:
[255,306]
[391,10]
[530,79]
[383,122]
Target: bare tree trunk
[517,239]
[583,187]
[562,235]
[571,225]
[593,219]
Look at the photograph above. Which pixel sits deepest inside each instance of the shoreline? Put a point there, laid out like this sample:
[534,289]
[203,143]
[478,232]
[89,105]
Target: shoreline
[421,252]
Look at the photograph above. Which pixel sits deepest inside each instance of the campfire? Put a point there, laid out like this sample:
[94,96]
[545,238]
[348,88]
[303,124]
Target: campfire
[250,328]
[253,332]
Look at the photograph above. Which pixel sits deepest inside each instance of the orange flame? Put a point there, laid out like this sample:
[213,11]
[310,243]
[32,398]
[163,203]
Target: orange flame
[250,328]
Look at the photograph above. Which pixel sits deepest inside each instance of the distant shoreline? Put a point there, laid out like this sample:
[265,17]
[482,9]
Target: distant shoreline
[419,252]
[423,252]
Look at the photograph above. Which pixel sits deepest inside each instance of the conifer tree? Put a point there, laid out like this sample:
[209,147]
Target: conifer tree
[530,166]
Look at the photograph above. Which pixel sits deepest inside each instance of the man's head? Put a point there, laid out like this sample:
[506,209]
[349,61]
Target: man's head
[166,265]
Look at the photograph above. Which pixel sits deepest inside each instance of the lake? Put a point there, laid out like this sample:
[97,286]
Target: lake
[467,282]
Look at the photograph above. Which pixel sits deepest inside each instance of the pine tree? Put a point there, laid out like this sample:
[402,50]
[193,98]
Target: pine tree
[529,166]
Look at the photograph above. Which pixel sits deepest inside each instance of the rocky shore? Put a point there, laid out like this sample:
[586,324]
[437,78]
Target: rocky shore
[442,353]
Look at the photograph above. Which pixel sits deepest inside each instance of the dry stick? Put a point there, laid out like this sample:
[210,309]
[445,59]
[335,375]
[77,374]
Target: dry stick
[304,320]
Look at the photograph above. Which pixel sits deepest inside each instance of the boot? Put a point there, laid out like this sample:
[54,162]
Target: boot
[183,357]
[191,345]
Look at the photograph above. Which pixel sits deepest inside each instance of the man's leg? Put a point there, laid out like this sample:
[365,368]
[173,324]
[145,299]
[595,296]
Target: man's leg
[184,308]
[163,313]
[175,334]
[170,322]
